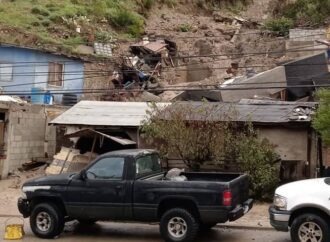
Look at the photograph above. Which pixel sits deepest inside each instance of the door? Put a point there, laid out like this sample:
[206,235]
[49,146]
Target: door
[101,195]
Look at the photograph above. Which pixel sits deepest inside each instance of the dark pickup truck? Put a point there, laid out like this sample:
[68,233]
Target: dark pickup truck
[129,185]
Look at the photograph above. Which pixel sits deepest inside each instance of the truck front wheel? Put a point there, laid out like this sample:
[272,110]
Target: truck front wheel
[310,227]
[46,220]
[178,225]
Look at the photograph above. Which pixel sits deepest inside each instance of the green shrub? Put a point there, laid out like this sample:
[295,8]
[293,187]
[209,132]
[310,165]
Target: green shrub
[148,3]
[258,159]
[99,9]
[321,121]
[45,23]
[184,27]
[308,12]
[103,36]
[128,21]
[280,26]
[39,11]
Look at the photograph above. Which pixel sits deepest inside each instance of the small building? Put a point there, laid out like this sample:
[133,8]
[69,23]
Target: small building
[24,133]
[100,126]
[23,70]
[287,125]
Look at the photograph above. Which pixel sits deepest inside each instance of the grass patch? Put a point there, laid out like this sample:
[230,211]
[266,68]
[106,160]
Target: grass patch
[41,16]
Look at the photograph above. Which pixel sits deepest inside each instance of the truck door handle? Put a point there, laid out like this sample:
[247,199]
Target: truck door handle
[119,187]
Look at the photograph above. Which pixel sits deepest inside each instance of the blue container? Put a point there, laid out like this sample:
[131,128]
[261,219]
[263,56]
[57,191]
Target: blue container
[37,96]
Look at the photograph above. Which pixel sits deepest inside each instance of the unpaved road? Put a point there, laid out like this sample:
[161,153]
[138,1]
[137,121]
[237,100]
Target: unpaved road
[121,232]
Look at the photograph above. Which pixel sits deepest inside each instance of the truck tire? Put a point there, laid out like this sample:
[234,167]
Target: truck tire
[178,225]
[46,220]
[310,227]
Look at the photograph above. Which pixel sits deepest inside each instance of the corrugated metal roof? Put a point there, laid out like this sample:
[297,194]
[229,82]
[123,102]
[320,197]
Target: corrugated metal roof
[253,111]
[97,113]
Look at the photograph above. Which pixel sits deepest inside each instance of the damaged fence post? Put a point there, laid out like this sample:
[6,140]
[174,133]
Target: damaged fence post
[66,158]
[93,147]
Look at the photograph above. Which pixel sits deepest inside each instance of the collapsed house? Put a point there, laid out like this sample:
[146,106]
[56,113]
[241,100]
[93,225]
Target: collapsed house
[142,71]
[292,81]
[95,128]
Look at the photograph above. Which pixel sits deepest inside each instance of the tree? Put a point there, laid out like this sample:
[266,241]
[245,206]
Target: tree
[197,134]
[321,121]
[194,142]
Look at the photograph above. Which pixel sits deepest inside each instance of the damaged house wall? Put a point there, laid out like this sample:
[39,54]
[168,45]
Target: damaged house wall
[27,135]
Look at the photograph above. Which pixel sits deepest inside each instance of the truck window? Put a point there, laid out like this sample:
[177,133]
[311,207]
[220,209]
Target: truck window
[107,168]
[147,164]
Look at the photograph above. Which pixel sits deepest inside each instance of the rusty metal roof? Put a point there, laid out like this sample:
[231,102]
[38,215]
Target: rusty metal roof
[248,110]
[99,113]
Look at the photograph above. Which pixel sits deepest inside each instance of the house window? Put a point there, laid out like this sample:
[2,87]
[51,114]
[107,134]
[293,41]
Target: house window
[6,72]
[55,74]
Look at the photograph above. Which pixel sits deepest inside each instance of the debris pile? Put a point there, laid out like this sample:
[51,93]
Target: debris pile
[142,70]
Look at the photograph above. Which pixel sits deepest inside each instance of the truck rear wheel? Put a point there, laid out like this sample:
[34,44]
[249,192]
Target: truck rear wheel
[46,220]
[178,225]
[310,227]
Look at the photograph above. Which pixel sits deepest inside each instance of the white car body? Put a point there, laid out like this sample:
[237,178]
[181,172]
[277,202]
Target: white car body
[303,207]
[311,192]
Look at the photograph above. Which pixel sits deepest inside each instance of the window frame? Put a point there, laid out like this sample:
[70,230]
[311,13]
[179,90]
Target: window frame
[108,179]
[51,84]
[138,175]
[12,71]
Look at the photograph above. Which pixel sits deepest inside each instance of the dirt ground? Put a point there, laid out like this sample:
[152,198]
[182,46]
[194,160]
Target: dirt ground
[10,190]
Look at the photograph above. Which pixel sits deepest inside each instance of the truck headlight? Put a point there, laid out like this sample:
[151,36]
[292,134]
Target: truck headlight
[23,194]
[280,202]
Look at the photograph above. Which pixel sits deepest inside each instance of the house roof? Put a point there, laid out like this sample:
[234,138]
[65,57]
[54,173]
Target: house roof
[99,113]
[247,110]
[45,50]
[263,84]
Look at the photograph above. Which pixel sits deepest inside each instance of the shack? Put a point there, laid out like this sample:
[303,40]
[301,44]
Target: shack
[287,125]
[97,127]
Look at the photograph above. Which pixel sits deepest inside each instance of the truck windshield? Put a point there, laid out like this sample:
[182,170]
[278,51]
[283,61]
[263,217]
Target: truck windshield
[147,164]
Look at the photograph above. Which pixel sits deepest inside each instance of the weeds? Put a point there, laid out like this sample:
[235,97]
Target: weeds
[280,26]
[128,21]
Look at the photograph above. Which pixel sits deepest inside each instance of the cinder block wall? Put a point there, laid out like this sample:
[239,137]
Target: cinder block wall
[28,136]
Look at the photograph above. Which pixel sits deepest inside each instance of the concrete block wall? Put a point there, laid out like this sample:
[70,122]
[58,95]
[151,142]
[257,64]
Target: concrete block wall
[28,136]
[307,34]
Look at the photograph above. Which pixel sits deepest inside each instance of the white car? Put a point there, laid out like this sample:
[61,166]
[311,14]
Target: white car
[303,207]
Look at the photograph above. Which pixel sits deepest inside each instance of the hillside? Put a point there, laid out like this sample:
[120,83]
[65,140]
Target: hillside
[67,23]
[228,30]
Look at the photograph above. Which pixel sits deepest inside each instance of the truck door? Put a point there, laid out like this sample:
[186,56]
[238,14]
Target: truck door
[101,195]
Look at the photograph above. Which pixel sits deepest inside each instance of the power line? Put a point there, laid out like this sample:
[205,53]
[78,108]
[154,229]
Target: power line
[95,90]
[300,49]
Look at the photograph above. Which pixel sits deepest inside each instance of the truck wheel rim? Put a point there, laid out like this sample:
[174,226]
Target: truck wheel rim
[310,232]
[177,227]
[43,221]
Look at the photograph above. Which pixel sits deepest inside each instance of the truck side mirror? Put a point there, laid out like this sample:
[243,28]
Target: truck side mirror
[83,175]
